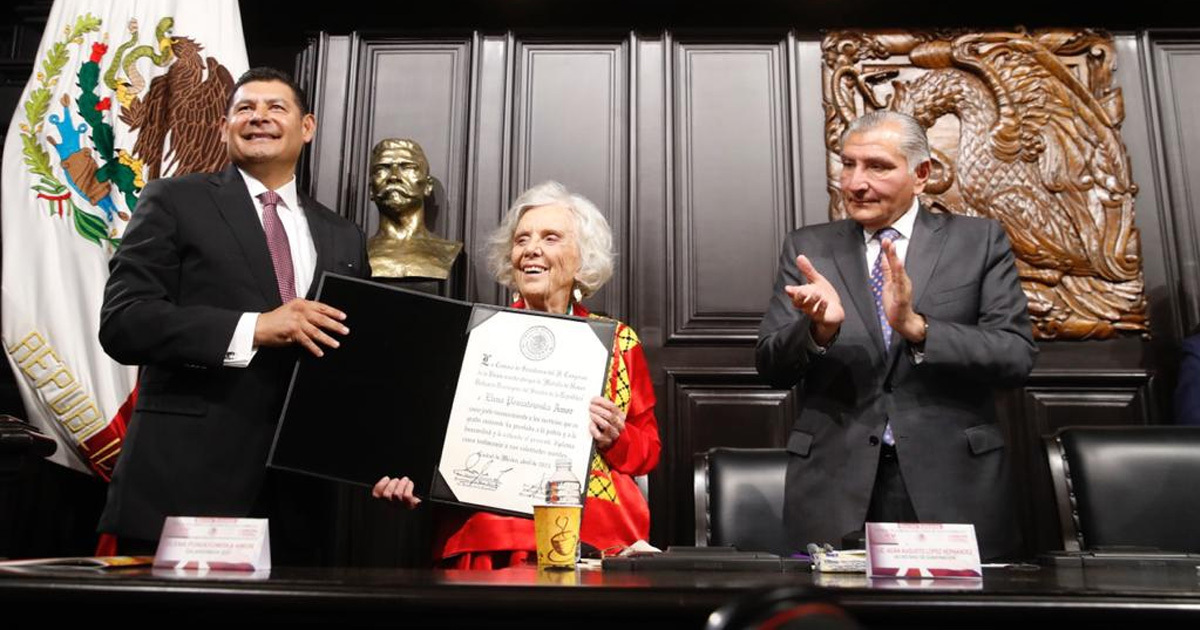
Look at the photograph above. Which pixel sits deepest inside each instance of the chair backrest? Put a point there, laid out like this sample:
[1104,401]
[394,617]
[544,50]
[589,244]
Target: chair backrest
[739,499]
[1135,486]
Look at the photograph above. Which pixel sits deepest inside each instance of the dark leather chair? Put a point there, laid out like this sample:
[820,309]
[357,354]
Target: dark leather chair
[739,499]
[1127,487]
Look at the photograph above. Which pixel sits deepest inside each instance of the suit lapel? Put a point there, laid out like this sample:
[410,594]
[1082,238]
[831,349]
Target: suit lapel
[850,256]
[233,202]
[322,235]
[924,251]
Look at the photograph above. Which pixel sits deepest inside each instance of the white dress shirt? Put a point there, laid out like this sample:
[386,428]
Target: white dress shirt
[903,225]
[304,261]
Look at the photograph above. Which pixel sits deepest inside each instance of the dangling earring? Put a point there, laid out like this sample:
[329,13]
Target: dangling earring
[516,296]
[577,293]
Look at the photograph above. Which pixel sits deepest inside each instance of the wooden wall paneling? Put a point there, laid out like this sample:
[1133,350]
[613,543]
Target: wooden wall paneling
[1174,61]
[571,124]
[648,207]
[1056,400]
[490,138]
[351,127]
[625,248]
[795,148]
[650,190]
[707,407]
[812,181]
[1157,226]
[324,72]
[732,180]
[308,74]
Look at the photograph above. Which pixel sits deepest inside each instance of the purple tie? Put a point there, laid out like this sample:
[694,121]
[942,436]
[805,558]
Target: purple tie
[277,243]
[888,234]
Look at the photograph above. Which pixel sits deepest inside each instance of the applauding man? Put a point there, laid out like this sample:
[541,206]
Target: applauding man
[897,323]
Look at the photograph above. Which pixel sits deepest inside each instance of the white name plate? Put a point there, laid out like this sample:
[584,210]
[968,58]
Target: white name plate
[922,550]
[217,544]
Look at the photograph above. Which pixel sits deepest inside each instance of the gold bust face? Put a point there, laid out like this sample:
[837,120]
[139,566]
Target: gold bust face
[399,176]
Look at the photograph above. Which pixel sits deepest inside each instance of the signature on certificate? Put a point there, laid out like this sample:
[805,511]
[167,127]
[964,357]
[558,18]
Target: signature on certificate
[535,490]
[478,472]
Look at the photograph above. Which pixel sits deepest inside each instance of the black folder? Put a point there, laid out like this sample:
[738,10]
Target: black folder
[380,403]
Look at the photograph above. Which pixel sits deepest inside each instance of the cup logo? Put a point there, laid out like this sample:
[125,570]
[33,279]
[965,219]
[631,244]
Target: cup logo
[562,541]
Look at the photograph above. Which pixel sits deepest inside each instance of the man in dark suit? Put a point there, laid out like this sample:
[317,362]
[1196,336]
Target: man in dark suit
[206,293]
[897,322]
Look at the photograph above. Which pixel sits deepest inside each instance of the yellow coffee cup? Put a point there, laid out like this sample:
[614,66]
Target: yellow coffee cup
[556,528]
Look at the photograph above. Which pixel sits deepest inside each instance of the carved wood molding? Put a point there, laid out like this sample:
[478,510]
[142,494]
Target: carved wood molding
[1025,129]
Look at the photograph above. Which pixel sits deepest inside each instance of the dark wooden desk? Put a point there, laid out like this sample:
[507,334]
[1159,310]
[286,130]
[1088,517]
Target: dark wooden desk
[1014,598]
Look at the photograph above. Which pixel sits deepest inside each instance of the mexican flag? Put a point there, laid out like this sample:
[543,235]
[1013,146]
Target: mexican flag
[121,93]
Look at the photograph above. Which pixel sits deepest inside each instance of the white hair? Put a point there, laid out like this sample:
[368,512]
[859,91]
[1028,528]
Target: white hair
[914,145]
[591,228]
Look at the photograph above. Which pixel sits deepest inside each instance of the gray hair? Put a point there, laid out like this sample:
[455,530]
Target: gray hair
[914,145]
[592,231]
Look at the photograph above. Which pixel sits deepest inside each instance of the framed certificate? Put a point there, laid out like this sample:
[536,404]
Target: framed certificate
[475,403]
[521,405]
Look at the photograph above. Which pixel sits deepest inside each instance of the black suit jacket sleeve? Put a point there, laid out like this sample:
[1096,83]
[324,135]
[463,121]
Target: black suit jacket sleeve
[999,348]
[782,354]
[143,321]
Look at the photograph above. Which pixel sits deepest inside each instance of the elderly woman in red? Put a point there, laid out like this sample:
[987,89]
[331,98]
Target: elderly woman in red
[553,248]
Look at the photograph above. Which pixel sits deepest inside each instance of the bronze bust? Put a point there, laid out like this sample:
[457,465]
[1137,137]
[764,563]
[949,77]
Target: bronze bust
[403,247]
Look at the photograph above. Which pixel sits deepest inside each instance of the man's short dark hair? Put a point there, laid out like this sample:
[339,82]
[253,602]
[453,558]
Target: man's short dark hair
[263,73]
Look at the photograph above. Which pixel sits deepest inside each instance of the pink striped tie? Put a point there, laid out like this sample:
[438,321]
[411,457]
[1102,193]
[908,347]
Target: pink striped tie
[277,243]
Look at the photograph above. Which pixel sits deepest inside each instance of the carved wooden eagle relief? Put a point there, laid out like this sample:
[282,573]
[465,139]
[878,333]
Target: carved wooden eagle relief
[1025,129]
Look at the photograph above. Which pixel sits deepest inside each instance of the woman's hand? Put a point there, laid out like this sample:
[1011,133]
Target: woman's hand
[608,421]
[399,490]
